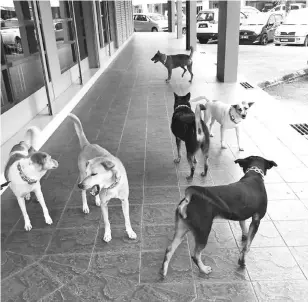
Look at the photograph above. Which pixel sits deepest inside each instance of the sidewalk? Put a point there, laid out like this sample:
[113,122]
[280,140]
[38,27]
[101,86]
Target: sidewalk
[128,112]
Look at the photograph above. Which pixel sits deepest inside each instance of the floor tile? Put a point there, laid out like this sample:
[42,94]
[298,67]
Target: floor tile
[235,291]
[300,254]
[116,217]
[279,191]
[63,294]
[198,180]
[158,195]
[279,291]
[119,242]
[300,189]
[267,234]
[158,214]
[224,266]
[221,177]
[287,210]
[33,242]
[120,265]
[28,285]
[294,175]
[167,178]
[294,233]
[75,240]
[272,263]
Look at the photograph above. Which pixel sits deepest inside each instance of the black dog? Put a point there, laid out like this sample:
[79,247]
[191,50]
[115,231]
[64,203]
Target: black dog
[175,61]
[188,126]
[237,201]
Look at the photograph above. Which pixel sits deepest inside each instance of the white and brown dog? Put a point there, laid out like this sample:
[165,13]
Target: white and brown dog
[228,116]
[24,170]
[103,174]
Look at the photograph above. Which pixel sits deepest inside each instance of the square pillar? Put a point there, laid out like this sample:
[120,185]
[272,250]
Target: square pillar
[228,40]
[171,16]
[191,17]
[179,19]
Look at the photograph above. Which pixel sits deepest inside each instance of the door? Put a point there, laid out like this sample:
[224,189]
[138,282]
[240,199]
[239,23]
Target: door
[271,27]
[141,23]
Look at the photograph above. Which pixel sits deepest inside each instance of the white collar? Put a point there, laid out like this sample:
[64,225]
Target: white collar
[165,60]
[255,169]
[179,106]
[232,118]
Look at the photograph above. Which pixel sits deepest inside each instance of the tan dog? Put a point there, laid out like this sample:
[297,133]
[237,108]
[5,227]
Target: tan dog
[105,175]
[23,173]
[228,116]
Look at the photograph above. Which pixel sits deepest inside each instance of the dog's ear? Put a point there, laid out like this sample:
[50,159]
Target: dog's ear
[250,104]
[175,95]
[270,164]
[107,164]
[241,162]
[234,106]
[187,96]
[158,51]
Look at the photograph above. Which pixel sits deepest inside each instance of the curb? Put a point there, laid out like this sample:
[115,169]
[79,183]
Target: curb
[285,78]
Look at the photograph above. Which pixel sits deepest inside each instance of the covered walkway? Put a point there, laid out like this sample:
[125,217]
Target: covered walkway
[128,112]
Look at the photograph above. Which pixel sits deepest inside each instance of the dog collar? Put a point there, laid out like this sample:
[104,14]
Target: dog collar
[232,117]
[113,185]
[256,169]
[165,60]
[182,106]
[24,177]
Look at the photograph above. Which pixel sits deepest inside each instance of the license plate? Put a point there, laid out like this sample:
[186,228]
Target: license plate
[203,26]
[243,37]
[284,40]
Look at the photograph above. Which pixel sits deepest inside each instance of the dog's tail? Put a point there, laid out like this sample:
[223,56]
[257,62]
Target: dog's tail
[83,141]
[32,137]
[191,52]
[198,120]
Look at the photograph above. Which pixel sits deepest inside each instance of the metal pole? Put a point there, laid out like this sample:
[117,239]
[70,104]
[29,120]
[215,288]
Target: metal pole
[41,52]
[108,26]
[72,11]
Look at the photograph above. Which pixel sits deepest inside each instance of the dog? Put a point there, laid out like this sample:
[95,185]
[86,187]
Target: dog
[228,116]
[103,174]
[24,170]
[175,61]
[188,126]
[237,201]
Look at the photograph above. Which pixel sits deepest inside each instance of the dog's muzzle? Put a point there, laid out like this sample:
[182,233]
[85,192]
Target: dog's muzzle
[243,116]
[95,190]
[154,60]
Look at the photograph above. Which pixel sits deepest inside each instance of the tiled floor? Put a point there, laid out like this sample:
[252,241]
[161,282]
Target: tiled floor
[128,112]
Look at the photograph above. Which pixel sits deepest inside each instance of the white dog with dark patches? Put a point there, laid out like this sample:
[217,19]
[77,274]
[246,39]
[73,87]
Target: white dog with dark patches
[105,175]
[24,170]
[228,116]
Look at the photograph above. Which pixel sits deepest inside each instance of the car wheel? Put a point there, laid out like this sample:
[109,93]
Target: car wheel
[154,29]
[306,42]
[264,39]
[18,45]
[184,30]
[134,29]
[203,41]
[277,44]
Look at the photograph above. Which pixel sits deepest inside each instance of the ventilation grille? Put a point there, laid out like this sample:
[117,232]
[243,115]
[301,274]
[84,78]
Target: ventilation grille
[246,85]
[301,129]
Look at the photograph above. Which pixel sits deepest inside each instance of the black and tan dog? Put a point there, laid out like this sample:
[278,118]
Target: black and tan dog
[237,201]
[188,126]
[175,61]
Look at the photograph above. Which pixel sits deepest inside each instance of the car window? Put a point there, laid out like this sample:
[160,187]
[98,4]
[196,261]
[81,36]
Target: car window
[278,18]
[271,20]
[284,7]
[277,8]
[205,16]
[294,7]
[141,18]
[58,26]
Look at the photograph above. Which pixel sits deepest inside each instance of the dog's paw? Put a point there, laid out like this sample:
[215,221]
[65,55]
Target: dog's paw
[28,196]
[177,160]
[203,174]
[28,225]
[189,178]
[223,146]
[85,209]
[244,237]
[162,274]
[131,234]
[48,220]
[241,149]
[205,269]
[190,81]
[107,236]
[211,135]
[195,161]
[241,260]
[167,81]
[97,201]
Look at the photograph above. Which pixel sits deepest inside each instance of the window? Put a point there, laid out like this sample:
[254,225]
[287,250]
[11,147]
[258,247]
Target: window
[141,18]
[81,32]
[19,54]
[293,7]
[277,8]
[104,26]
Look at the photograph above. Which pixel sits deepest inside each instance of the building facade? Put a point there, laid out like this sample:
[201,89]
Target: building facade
[50,47]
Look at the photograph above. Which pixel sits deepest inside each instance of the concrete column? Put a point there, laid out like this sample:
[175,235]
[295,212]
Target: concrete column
[191,34]
[171,16]
[205,4]
[144,8]
[228,40]
[179,19]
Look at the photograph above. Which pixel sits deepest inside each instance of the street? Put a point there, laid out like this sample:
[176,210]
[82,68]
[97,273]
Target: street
[260,63]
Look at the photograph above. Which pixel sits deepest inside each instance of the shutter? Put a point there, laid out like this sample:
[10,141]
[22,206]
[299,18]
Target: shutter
[123,20]
[118,22]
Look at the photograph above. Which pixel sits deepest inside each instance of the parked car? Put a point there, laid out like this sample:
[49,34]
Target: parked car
[150,22]
[294,30]
[207,25]
[176,21]
[282,7]
[11,35]
[260,28]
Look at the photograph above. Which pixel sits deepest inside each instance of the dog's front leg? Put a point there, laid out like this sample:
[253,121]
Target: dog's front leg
[22,204]
[40,198]
[125,208]
[222,137]
[190,159]
[85,206]
[238,133]
[253,228]
[107,234]
[199,247]
[178,146]
[169,75]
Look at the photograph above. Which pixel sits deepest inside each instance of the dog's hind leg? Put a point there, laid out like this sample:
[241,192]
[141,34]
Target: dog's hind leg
[253,228]
[205,151]
[125,208]
[40,198]
[189,67]
[178,146]
[22,205]
[244,230]
[211,126]
[169,75]
[183,67]
[180,231]
[190,159]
